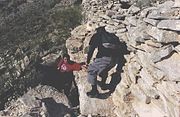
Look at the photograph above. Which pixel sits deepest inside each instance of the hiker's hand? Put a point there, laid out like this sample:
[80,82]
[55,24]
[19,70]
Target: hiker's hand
[87,64]
[84,67]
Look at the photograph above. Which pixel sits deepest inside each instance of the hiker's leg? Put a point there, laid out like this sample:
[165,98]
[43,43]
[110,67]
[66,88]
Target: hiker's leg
[105,65]
[68,83]
[92,73]
[92,79]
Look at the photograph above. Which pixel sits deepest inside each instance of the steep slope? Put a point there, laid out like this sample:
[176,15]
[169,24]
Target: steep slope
[29,30]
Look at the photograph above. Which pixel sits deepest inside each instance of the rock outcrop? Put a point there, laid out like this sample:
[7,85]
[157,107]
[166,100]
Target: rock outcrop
[150,82]
[42,101]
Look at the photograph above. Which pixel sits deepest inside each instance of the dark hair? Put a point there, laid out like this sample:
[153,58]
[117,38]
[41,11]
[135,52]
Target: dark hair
[67,56]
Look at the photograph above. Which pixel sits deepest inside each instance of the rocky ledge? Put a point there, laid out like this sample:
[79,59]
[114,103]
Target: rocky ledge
[150,82]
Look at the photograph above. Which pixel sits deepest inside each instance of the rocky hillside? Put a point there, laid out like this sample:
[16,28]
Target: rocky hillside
[29,30]
[150,83]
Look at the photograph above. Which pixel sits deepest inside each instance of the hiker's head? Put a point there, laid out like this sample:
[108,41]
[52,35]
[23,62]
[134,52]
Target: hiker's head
[66,57]
[100,29]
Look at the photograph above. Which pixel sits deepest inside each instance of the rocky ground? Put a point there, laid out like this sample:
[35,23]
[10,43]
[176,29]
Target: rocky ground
[149,84]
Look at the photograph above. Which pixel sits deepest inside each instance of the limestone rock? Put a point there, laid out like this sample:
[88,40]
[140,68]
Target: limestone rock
[161,53]
[170,67]
[133,9]
[146,11]
[150,82]
[151,21]
[169,24]
[163,35]
[176,3]
[95,106]
[177,48]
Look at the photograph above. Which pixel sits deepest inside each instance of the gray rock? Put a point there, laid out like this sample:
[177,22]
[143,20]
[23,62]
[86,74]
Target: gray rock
[110,13]
[148,100]
[169,24]
[177,3]
[132,20]
[146,11]
[137,34]
[163,35]
[155,14]
[93,106]
[165,6]
[118,17]
[151,21]
[133,10]
[124,1]
[109,6]
[105,17]
[110,28]
[162,11]
[161,53]
[122,30]
[170,66]
[177,48]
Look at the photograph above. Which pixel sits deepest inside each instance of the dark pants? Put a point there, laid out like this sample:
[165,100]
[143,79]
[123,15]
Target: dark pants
[94,69]
[68,78]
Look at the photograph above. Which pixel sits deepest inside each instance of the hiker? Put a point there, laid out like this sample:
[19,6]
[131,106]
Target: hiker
[66,65]
[66,68]
[107,44]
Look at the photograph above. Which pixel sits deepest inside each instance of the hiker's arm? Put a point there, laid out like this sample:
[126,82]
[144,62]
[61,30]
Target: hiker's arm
[90,53]
[75,67]
[92,45]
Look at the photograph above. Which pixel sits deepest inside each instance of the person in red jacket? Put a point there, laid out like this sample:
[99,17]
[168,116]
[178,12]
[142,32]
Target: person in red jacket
[66,68]
[66,65]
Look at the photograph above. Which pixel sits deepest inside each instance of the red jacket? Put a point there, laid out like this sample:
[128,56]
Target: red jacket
[68,67]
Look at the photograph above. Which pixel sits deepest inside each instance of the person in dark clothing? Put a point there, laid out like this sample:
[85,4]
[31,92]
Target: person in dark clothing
[102,61]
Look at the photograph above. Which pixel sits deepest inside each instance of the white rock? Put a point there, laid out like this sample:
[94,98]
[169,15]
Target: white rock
[169,24]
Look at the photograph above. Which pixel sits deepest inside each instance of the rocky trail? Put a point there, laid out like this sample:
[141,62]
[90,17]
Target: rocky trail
[148,84]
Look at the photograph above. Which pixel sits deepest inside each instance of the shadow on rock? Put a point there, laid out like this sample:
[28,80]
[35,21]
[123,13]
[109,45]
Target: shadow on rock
[115,80]
[55,109]
[65,82]
[49,75]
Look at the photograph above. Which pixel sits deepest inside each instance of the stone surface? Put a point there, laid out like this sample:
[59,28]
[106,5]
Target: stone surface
[151,21]
[163,35]
[43,101]
[170,66]
[169,24]
[177,3]
[95,106]
[151,65]
[150,84]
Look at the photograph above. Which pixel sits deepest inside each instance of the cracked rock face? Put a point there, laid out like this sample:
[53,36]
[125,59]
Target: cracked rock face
[150,80]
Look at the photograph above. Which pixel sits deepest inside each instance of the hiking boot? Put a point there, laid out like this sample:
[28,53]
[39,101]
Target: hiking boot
[92,94]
